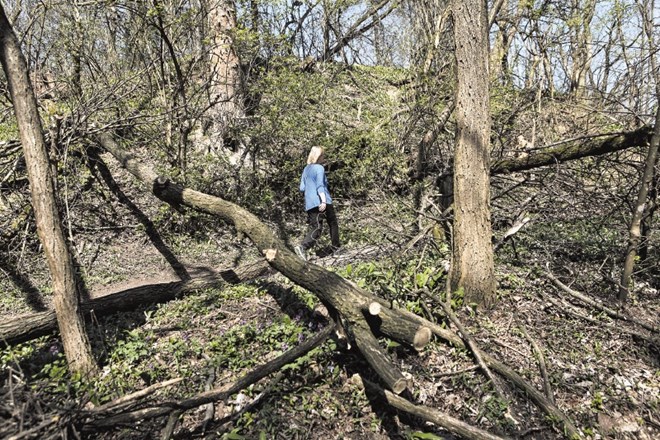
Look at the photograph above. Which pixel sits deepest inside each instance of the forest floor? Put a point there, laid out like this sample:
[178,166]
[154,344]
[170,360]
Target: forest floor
[600,373]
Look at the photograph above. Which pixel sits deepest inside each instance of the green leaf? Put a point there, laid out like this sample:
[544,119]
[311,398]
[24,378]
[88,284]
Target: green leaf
[425,435]
[233,435]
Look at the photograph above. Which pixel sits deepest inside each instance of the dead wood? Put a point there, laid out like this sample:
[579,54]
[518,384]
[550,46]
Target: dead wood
[339,295]
[577,149]
[554,413]
[367,343]
[508,235]
[584,298]
[471,343]
[538,353]
[27,327]
[374,308]
[254,402]
[431,415]
[170,426]
[131,399]
[568,308]
[96,419]
[571,149]
[209,412]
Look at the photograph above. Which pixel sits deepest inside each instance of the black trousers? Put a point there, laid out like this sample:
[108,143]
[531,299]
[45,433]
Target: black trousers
[315,222]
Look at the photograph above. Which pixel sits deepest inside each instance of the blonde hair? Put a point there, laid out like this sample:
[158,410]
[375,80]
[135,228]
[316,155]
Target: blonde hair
[314,155]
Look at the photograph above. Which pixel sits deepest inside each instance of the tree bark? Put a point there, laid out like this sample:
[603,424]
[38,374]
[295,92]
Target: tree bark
[580,46]
[66,295]
[342,297]
[226,79]
[538,398]
[647,221]
[575,149]
[431,415]
[506,29]
[473,266]
[635,231]
[356,302]
[97,421]
[32,326]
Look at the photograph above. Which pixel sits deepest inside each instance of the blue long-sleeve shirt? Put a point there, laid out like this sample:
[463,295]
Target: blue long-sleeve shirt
[312,182]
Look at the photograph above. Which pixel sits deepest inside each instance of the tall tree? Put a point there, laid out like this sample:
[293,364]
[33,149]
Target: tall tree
[507,25]
[66,296]
[473,266]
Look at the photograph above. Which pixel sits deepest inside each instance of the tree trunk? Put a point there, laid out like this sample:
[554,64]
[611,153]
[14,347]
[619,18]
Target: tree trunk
[383,57]
[226,80]
[473,266]
[507,27]
[647,221]
[635,232]
[343,298]
[581,52]
[574,149]
[32,326]
[66,295]
[353,305]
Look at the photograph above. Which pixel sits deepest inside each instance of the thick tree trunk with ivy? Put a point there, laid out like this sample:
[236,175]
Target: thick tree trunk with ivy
[66,295]
[473,265]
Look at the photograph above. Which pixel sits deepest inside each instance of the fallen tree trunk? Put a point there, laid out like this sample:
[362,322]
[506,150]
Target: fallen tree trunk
[564,152]
[430,415]
[574,150]
[342,297]
[25,328]
[598,305]
[537,397]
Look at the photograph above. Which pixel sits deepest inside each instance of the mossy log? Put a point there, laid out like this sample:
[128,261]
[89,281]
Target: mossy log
[577,149]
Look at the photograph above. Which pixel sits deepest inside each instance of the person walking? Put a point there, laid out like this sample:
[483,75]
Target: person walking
[318,203]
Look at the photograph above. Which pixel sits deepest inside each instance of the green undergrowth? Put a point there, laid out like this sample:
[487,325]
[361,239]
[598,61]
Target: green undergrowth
[219,333]
[223,334]
[190,337]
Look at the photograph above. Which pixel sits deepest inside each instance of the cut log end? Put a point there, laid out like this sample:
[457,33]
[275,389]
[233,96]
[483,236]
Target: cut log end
[270,254]
[422,337]
[375,308]
[399,386]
